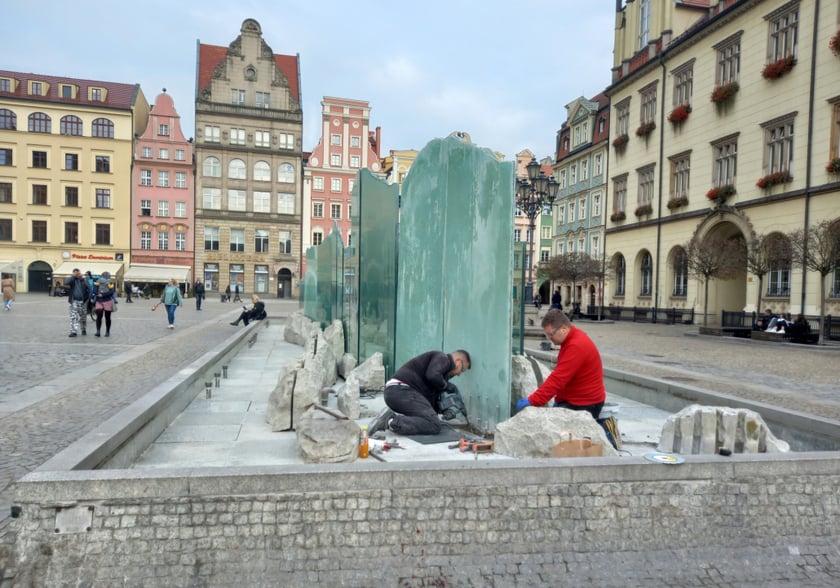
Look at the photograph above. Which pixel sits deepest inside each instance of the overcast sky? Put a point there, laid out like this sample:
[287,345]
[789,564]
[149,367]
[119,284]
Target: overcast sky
[502,71]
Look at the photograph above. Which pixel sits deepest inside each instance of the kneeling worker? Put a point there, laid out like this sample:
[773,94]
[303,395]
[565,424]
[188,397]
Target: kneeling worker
[413,394]
[577,381]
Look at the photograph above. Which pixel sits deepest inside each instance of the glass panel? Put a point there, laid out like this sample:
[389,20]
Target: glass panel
[323,284]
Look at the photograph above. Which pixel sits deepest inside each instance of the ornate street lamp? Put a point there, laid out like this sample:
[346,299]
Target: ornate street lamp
[532,195]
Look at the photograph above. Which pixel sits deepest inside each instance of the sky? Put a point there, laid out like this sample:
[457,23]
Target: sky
[501,71]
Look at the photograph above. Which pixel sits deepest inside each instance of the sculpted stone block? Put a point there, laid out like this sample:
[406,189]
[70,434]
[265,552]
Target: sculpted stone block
[534,431]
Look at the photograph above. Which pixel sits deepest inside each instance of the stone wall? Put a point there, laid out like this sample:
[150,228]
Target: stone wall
[528,522]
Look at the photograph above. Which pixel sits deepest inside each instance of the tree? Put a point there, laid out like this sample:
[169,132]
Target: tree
[571,267]
[817,249]
[713,257]
[763,254]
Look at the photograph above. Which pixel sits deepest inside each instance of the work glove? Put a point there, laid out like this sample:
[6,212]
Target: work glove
[523,402]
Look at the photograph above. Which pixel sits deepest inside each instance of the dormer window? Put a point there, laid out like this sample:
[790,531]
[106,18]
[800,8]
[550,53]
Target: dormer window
[96,94]
[66,91]
[5,85]
[36,89]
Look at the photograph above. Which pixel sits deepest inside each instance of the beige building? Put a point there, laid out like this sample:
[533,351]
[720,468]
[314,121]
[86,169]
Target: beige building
[724,116]
[249,124]
[65,175]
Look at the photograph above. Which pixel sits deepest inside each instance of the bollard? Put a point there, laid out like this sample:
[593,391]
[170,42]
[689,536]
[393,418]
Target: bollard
[224,371]
[217,375]
[208,386]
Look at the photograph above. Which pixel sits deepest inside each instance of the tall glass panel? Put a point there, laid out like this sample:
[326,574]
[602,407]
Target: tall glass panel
[517,315]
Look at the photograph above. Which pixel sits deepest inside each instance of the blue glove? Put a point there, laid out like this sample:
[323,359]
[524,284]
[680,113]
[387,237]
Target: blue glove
[523,402]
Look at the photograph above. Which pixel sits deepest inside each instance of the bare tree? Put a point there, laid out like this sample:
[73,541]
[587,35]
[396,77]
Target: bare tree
[572,267]
[817,250]
[763,253]
[715,258]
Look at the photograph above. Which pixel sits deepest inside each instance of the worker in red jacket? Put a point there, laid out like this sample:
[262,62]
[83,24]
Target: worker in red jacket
[577,381]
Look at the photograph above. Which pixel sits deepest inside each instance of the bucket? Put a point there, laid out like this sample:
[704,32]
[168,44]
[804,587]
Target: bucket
[610,409]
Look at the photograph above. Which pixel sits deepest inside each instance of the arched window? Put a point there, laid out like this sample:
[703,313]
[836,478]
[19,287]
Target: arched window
[262,172]
[680,269]
[212,167]
[70,125]
[620,275]
[102,128]
[236,169]
[286,173]
[39,122]
[8,120]
[647,275]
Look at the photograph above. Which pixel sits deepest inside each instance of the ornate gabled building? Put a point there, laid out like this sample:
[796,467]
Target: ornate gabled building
[249,124]
[724,122]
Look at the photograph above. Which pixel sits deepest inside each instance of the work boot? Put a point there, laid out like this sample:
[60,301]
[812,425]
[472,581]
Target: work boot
[381,422]
[96,334]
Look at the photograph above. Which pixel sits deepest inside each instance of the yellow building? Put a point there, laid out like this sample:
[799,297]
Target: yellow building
[724,116]
[65,175]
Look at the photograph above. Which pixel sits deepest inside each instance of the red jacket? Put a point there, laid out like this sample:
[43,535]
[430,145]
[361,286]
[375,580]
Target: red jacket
[578,377]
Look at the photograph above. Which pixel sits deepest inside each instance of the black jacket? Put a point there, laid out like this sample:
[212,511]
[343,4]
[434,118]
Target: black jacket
[77,289]
[428,374]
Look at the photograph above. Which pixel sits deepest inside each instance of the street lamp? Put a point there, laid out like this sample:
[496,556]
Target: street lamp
[531,197]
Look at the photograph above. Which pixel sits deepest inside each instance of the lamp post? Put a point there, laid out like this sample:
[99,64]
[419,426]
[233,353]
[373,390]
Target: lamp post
[532,195]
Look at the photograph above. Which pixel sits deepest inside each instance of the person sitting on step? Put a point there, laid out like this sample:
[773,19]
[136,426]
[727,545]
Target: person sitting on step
[255,313]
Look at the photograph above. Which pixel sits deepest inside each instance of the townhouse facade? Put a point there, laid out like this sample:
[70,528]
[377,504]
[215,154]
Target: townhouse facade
[249,124]
[65,175]
[724,122]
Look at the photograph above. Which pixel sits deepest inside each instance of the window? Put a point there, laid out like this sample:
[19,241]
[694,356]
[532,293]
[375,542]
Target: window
[595,245]
[544,255]
[571,208]
[163,241]
[584,170]
[778,150]
[620,193]
[645,195]
[237,96]
[517,235]
[5,192]
[335,159]
[622,116]
[147,152]
[596,205]
[647,275]
[780,257]
[237,136]
[39,159]
[680,167]
[103,198]
[644,23]
[180,210]
[211,238]
[5,228]
[545,232]
[212,167]
[96,94]
[683,83]
[5,156]
[103,163]
[163,208]
[262,202]
[180,179]
[103,234]
[335,211]
[8,119]
[211,276]
[680,269]
[581,245]
[145,177]
[354,161]
[39,231]
[335,185]
[179,155]
[71,161]
[70,125]
[211,134]
[237,240]
[350,184]
[180,241]
[573,174]
[262,172]
[262,139]
[163,130]
[285,242]
[102,128]
[355,141]
[318,183]
[146,208]
[582,209]
[39,194]
[263,100]
[237,200]
[39,122]
[286,203]
[317,210]
[211,198]
[36,89]
[317,237]
[286,173]
[261,278]
[728,65]
[287,141]
[648,96]
[145,240]
[784,32]
[561,214]
[335,139]
[163,179]
[236,169]
[71,196]
[725,161]
[5,85]
[261,241]
[163,154]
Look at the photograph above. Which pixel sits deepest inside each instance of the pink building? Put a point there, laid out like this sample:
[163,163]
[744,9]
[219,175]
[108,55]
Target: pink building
[162,203]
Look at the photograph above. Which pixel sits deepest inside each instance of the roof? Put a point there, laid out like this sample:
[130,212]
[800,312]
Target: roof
[140,272]
[209,56]
[117,95]
[95,267]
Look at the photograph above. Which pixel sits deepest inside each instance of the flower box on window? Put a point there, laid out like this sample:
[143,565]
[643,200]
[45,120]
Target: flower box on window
[680,113]
[720,193]
[644,210]
[620,141]
[834,44]
[618,216]
[833,166]
[645,129]
[778,68]
[677,202]
[724,93]
[782,177]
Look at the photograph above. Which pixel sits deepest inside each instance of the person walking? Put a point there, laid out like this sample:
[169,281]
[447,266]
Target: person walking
[227,294]
[171,299]
[78,295]
[8,286]
[128,290]
[236,297]
[105,300]
[198,289]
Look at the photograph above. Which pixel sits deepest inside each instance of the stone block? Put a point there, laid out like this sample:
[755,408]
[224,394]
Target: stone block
[346,364]
[325,439]
[534,431]
[526,375]
[299,329]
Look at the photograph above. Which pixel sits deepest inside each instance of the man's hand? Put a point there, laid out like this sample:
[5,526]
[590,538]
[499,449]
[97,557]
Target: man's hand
[523,402]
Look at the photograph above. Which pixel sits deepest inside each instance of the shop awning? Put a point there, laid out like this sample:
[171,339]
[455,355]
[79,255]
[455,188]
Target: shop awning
[94,267]
[8,266]
[138,273]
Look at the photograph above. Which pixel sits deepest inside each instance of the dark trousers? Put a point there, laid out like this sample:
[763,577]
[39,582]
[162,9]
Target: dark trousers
[593,409]
[415,415]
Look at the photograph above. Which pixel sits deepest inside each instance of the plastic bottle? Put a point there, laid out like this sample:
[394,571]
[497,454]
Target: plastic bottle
[363,442]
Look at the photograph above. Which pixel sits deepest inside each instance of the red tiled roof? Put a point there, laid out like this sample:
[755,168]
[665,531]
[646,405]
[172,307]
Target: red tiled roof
[116,95]
[209,56]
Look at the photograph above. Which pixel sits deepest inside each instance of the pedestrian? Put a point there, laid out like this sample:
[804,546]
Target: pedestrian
[105,301]
[171,299]
[537,301]
[255,313]
[577,381]
[236,297]
[128,291]
[198,289]
[226,297]
[147,291]
[8,286]
[555,299]
[413,394]
[78,295]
